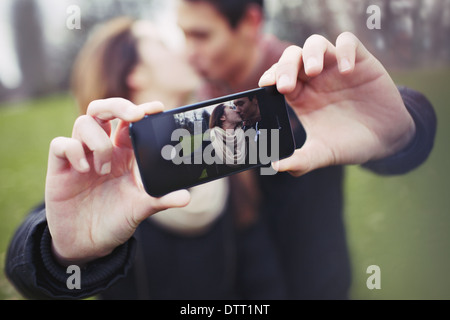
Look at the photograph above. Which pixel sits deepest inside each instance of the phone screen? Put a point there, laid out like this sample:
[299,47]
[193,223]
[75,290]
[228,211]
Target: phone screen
[198,143]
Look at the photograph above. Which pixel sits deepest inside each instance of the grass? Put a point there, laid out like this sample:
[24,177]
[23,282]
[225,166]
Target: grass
[399,223]
[402,223]
[26,130]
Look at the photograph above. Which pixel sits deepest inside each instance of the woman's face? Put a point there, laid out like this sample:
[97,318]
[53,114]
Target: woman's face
[231,115]
[161,66]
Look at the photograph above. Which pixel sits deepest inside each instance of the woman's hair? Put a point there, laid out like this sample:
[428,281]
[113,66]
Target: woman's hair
[218,112]
[104,63]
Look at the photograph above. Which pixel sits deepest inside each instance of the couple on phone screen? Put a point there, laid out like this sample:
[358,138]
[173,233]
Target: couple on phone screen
[229,124]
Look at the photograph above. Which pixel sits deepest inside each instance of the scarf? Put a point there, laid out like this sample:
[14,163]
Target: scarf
[229,145]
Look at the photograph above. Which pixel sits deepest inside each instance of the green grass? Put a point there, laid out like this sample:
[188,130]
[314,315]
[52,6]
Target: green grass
[401,223]
[26,130]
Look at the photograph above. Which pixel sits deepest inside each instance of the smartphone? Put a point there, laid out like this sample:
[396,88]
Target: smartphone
[198,143]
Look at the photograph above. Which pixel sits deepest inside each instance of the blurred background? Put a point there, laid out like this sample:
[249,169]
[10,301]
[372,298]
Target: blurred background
[400,223]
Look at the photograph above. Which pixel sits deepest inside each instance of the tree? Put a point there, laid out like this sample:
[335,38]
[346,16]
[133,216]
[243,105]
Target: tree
[30,47]
[205,120]
[412,32]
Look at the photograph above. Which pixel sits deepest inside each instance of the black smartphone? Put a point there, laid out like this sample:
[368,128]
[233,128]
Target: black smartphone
[198,143]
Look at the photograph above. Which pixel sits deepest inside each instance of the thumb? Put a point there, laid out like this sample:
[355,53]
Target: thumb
[175,199]
[147,205]
[306,159]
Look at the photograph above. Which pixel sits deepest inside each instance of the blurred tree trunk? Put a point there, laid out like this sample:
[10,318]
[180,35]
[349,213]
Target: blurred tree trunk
[445,31]
[30,47]
[3,92]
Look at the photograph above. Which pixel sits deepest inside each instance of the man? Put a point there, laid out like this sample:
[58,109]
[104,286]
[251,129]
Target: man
[227,50]
[249,111]
[335,93]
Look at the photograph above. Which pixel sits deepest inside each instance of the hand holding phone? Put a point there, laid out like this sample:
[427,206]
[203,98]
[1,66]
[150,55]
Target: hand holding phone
[93,200]
[202,142]
[351,109]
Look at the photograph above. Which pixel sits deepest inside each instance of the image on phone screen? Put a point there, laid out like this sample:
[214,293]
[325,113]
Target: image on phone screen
[195,144]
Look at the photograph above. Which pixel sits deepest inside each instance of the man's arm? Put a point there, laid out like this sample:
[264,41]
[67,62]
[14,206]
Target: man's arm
[32,269]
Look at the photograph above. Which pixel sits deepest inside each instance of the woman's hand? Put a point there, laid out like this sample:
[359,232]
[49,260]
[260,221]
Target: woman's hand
[94,197]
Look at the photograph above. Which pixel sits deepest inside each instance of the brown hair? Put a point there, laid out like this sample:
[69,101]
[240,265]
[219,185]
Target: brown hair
[104,63]
[214,120]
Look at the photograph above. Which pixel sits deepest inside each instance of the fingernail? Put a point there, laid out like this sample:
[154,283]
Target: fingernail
[311,64]
[106,169]
[84,165]
[345,65]
[284,81]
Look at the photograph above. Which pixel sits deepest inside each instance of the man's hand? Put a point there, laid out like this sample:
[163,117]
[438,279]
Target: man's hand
[348,104]
[94,198]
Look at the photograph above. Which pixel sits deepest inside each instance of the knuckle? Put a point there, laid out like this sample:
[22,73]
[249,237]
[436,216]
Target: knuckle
[315,38]
[292,54]
[57,140]
[293,50]
[81,120]
[57,143]
[347,37]
[93,105]
[80,124]
[347,34]
[59,146]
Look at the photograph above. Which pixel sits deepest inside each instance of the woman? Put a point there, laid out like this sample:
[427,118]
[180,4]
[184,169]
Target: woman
[194,252]
[227,135]
[130,59]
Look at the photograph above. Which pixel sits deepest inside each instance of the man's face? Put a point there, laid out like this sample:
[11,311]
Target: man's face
[244,107]
[214,48]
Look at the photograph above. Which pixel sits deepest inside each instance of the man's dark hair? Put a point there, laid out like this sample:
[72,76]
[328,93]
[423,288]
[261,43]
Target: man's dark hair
[232,10]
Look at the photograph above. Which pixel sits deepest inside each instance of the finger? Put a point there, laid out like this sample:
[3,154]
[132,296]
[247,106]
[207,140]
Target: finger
[315,51]
[64,152]
[295,165]
[268,78]
[122,136]
[118,108]
[288,69]
[346,47]
[151,107]
[175,199]
[92,135]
